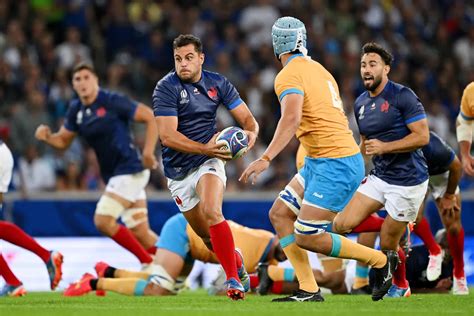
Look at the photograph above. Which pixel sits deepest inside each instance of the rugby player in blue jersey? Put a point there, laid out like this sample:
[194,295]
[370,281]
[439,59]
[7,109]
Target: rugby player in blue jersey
[185,103]
[445,171]
[393,128]
[103,118]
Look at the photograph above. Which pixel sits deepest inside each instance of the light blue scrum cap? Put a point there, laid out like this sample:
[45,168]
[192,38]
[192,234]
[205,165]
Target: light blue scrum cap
[288,35]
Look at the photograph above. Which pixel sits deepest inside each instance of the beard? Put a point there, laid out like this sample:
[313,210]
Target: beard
[374,85]
[187,77]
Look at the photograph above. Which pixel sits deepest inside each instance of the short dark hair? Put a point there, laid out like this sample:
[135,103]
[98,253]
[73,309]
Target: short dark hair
[83,66]
[186,39]
[378,49]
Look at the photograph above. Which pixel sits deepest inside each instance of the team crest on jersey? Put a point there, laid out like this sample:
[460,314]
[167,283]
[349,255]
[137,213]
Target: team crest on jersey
[212,93]
[79,117]
[101,112]
[184,97]
[384,107]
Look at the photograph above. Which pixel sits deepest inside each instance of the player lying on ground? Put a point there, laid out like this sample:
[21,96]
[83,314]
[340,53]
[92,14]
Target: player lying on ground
[178,246]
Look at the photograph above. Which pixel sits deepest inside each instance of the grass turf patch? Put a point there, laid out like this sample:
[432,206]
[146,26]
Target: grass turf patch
[199,303]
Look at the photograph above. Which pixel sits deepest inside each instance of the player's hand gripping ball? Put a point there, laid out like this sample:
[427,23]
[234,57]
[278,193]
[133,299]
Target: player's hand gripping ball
[235,140]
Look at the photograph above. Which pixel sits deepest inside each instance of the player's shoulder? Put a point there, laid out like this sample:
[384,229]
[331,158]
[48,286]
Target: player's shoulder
[469,89]
[437,141]
[214,78]
[169,81]
[75,104]
[361,98]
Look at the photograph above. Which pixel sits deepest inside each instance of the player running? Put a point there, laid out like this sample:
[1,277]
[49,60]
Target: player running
[103,118]
[185,103]
[15,235]
[312,109]
[393,128]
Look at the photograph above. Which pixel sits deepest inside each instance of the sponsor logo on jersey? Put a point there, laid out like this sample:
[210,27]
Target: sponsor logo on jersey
[361,112]
[178,201]
[184,97]
[79,117]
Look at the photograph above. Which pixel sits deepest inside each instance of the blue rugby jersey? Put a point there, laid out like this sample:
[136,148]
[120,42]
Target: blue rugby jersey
[105,125]
[438,154]
[385,117]
[195,105]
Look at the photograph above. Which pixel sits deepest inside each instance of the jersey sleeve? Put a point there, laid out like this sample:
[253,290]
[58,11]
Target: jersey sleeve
[164,101]
[288,83]
[441,150]
[124,106]
[230,97]
[410,106]
[70,121]
[467,102]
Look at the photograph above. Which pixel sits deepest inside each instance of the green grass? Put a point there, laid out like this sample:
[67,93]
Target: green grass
[199,303]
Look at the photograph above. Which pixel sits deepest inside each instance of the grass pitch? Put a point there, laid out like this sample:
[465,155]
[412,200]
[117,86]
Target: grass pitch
[199,303]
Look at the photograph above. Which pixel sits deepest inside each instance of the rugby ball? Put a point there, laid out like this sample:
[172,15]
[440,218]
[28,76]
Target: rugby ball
[233,139]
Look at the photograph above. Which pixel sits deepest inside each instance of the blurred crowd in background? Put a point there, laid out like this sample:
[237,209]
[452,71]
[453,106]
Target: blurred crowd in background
[130,44]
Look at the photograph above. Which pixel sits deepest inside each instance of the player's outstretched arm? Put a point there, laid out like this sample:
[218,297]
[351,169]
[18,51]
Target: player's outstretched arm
[145,115]
[291,112]
[172,138]
[247,121]
[419,136]
[62,139]
[464,135]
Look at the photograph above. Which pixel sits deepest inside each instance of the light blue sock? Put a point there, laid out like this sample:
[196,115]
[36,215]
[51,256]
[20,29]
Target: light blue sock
[140,287]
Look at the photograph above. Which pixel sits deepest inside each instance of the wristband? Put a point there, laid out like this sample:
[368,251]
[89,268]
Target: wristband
[265,158]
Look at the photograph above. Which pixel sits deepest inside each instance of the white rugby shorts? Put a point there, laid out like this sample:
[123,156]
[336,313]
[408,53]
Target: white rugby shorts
[401,202]
[184,191]
[131,187]
[6,168]
[438,185]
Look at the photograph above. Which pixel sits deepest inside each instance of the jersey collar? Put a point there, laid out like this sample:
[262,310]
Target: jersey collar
[292,57]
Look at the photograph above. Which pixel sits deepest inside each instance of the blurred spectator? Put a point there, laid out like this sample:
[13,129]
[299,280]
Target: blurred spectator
[34,172]
[70,178]
[130,43]
[24,122]
[72,51]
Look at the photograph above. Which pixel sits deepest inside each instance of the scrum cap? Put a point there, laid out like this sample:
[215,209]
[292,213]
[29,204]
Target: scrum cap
[288,35]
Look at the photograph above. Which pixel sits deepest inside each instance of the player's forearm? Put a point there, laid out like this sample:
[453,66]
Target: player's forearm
[465,149]
[250,124]
[409,143]
[151,136]
[455,174]
[181,143]
[56,141]
[284,132]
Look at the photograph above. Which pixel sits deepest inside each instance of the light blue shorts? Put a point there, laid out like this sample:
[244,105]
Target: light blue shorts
[330,183]
[173,236]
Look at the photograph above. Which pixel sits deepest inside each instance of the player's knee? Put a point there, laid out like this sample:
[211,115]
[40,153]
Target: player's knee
[133,217]
[339,226]
[107,225]
[306,231]
[212,214]
[106,214]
